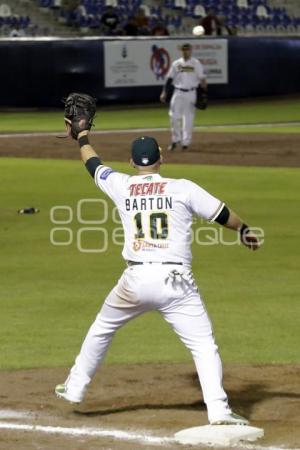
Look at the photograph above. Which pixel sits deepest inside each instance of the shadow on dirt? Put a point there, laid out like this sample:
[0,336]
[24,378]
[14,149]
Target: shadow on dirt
[242,400]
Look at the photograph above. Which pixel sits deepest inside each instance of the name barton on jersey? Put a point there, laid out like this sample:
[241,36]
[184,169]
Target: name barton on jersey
[140,202]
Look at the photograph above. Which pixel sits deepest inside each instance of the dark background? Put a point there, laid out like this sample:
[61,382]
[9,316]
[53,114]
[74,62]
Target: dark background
[39,72]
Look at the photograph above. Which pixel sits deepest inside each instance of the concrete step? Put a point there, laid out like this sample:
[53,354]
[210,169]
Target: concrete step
[44,18]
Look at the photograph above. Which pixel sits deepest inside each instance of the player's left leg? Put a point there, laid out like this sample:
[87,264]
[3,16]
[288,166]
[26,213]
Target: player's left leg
[190,321]
[93,350]
[120,306]
[188,118]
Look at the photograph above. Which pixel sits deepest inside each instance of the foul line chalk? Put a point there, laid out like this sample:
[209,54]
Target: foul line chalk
[144,130]
[88,432]
[259,447]
[11,414]
[116,434]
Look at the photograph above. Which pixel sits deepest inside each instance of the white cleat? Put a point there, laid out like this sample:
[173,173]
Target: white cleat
[62,392]
[230,419]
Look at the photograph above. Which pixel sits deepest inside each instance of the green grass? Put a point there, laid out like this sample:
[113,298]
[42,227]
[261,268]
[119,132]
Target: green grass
[49,295]
[287,129]
[267,111]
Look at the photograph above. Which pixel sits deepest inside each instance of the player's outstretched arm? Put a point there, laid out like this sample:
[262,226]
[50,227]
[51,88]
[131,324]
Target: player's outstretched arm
[88,155]
[86,149]
[229,219]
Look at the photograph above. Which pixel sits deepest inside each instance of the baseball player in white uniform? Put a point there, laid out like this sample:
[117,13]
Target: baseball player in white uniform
[156,214]
[185,74]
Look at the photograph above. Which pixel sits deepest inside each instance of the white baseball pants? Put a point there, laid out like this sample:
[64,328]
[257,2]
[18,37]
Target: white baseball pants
[182,113]
[171,290]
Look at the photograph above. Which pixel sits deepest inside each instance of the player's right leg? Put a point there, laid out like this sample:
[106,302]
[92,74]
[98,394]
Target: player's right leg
[188,119]
[175,113]
[120,306]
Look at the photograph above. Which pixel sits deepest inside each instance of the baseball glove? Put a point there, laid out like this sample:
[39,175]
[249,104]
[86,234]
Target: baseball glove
[80,110]
[201,102]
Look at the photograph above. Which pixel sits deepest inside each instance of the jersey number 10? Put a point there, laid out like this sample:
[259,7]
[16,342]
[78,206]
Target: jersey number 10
[158,224]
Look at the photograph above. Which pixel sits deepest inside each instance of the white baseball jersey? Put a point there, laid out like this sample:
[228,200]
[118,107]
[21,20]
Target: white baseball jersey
[186,74]
[157,213]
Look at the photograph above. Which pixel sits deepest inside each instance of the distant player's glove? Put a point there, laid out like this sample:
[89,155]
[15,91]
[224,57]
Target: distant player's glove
[201,102]
[80,110]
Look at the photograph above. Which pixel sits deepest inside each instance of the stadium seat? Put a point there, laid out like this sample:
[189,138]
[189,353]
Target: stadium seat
[156,11]
[245,15]
[180,4]
[113,3]
[83,23]
[146,9]
[242,3]
[176,22]
[5,10]
[169,4]
[46,4]
[24,21]
[199,11]
[261,11]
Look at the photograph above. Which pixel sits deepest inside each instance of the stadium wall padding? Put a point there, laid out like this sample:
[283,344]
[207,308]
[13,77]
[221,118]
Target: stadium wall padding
[39,72]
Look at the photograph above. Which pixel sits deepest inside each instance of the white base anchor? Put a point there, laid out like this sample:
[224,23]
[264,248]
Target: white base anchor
[224,435]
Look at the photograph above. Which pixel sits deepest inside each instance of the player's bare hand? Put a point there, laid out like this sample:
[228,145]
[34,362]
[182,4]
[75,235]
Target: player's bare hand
[163,97]
[68,124]
[249,239]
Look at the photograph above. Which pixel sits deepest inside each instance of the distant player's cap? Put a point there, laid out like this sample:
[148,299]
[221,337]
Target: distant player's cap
[186,46]
[145,151]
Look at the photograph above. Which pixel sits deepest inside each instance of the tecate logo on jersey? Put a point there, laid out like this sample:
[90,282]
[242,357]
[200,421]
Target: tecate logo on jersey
[146,246]
[147,188]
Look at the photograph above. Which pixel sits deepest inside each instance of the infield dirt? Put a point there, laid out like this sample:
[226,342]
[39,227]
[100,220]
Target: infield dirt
[253,149]
[157,399]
